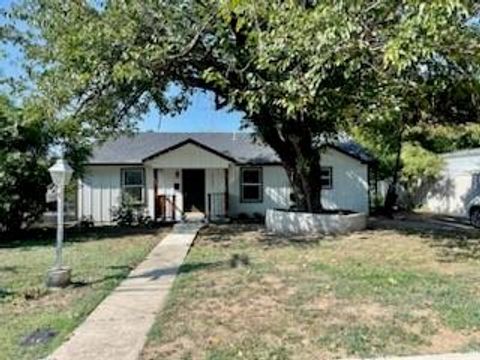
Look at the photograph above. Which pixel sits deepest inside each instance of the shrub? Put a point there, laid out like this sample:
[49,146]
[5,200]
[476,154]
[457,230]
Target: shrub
[258,217]
[131,214]
[86,222]
[243,216]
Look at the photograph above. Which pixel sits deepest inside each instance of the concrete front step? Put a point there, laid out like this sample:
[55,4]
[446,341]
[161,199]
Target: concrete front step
[195,217]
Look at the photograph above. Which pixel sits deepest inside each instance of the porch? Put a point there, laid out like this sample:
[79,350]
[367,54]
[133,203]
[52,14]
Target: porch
[189,178]
[169,209]
[187,193]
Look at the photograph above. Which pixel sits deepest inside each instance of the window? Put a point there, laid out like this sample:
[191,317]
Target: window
[133,185]
[326,179]
[251,184]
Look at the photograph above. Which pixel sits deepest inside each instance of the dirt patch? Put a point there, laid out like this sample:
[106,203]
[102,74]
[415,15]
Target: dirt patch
[174,350]
[447,340]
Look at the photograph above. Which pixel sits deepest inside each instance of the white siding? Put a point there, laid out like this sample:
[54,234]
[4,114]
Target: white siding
[189,156]
[100,189]
[215,180]
[100,193]
[215,185]
[349,190]
[276,191]
[350,182]
[166,186]
[458,188]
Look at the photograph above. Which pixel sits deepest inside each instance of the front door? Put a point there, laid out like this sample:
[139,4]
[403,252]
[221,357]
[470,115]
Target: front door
[193,183]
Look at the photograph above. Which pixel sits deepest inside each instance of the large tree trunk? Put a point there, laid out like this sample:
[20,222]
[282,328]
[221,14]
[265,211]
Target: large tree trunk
[301,159]
[392,192]
[304,173]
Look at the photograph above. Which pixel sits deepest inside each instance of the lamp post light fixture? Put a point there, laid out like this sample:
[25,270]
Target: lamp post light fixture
[61,173]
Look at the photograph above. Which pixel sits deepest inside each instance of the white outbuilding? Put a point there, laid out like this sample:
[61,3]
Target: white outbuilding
[457,193]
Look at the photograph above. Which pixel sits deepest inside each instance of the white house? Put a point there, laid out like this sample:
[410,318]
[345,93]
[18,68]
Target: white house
[457,192]
[218,174]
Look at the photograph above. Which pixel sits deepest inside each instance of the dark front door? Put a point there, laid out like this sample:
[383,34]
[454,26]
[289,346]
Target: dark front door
[193,181]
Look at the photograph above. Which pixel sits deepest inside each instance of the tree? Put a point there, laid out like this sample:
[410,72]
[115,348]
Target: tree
[431,83]
[23,167]
[27,142]
[299,70]
[429,105]
[421,168]
[444,138]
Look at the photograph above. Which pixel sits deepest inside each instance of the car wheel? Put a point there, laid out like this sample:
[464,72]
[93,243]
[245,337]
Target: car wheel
[475,217]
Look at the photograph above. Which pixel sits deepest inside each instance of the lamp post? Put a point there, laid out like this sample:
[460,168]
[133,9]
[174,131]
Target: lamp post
[61,173]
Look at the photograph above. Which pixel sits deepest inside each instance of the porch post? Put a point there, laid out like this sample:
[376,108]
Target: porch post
[155,194]
[174,208]
[226,192]
[209,206]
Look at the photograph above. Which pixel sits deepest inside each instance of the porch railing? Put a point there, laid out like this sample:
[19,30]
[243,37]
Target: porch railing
[165,207]
[217,205]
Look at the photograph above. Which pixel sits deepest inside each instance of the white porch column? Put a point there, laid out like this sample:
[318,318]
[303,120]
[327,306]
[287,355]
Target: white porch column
[150,191]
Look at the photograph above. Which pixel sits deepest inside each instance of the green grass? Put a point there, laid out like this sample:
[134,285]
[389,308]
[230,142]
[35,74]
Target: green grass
[99,261]
[450,296]
[368,294]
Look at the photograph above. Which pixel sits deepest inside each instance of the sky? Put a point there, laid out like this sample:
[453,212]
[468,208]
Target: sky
[201,116]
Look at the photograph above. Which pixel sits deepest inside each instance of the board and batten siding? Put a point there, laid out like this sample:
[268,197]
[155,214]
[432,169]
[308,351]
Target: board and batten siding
[100,192]
[100,189]
[166,186]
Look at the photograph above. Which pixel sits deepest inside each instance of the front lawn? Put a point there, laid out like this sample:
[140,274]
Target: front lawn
[99,260]
[243,294]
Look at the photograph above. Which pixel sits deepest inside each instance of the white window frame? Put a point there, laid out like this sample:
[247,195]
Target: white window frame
[125,186]
[328,177]
[259,184]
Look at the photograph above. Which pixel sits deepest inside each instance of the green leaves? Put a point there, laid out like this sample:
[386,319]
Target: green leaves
[23,167]
[420,164]
[380,67]
[425,31]
[98,62]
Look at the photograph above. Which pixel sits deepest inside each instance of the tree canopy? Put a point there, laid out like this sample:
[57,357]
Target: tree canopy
[300,71]
[23,167]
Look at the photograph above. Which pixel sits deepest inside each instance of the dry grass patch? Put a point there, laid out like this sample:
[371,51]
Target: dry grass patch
[377,292]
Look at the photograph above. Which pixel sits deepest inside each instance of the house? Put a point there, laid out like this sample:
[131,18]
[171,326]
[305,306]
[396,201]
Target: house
[457,192]
[217,174]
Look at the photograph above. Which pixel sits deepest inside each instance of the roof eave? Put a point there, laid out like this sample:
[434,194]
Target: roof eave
[114,164]
[190,141]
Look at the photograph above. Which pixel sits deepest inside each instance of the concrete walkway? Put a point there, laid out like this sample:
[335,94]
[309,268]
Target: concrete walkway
[118,327]
[468,356]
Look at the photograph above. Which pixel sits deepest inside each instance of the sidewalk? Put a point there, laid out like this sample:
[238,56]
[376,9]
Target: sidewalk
[467,356]
[118,327]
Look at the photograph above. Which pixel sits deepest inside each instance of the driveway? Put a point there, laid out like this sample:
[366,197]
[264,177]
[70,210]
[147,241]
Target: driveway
[425,222]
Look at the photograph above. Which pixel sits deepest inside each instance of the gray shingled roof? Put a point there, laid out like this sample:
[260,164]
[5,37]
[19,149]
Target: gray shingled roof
[240,146]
